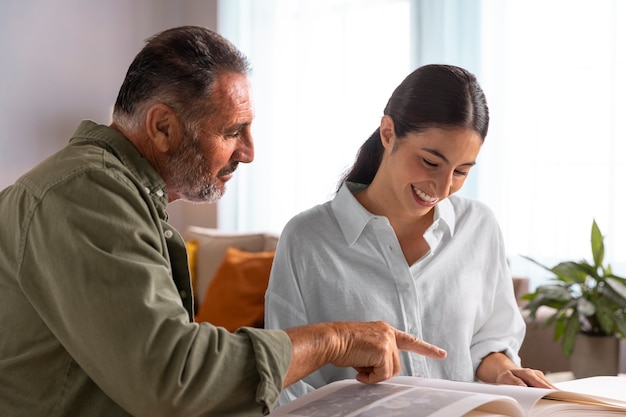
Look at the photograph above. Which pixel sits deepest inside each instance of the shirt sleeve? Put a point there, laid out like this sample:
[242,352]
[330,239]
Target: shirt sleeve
[284,306]
[95,267]
[504,328]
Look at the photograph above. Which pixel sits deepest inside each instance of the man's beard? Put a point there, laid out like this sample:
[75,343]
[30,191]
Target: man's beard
[188,173]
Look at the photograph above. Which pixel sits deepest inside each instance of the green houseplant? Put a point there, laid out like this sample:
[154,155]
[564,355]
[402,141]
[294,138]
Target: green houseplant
[586,297]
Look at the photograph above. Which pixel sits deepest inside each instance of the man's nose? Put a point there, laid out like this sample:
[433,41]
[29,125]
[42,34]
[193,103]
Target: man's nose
[245,151]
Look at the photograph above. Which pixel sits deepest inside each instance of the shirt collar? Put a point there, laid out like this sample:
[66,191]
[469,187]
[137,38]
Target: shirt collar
[353,217]
[119,146]
[444,214]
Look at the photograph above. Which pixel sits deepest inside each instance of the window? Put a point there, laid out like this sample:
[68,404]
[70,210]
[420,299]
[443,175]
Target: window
[554,72]
[323,71]
[555,158]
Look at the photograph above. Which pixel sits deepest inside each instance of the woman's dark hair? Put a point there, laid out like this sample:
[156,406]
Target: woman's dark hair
[439,96]
[177,67]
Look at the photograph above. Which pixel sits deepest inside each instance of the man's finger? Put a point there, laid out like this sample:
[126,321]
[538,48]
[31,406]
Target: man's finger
[374,374]
[412,344]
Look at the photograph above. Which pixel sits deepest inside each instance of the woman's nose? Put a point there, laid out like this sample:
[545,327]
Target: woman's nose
[444,183]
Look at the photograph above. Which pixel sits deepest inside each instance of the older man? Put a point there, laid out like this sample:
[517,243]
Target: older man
[95,297]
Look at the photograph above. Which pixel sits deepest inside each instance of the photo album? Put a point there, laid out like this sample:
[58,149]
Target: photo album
[406,396]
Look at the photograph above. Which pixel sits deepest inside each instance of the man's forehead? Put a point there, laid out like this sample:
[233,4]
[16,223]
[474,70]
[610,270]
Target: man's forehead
[231,102]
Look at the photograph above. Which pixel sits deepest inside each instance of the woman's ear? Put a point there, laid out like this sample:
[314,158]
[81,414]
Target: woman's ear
[387,131]
[163,127]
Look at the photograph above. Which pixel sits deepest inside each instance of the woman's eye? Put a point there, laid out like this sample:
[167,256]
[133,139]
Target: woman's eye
[460,173]
[429,163]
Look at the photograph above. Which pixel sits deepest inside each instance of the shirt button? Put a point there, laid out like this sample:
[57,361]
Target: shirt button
[159,193]
[147,190]
[183,294]
[168,234]
[413,331]
[421,375]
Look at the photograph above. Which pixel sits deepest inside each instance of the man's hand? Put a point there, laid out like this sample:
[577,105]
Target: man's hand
[369,347]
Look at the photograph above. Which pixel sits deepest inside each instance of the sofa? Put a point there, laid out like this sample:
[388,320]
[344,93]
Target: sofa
[232,269]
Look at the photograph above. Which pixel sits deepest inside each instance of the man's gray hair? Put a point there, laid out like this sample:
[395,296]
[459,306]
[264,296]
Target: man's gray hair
[177,67]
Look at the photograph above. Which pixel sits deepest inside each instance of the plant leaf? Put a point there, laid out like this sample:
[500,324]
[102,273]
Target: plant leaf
[615,277]
[597,245]
[555,296]
[573,272]
[554,291]
[620,323]
[559,328]
[569,336]
[612,296]
[547,268]
[618,287]
[586,307]
[605,318]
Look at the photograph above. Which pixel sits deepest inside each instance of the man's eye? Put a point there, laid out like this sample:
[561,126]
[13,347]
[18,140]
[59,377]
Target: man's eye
[233,134]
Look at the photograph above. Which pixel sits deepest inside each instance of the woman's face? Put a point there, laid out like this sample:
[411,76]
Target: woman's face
[424,168]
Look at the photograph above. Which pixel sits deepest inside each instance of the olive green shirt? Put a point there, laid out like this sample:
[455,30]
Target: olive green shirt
[95,299]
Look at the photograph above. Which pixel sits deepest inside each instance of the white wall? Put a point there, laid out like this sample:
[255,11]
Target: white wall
[63,61]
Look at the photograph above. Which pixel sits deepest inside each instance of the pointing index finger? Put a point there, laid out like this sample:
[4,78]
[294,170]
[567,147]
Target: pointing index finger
[405,341]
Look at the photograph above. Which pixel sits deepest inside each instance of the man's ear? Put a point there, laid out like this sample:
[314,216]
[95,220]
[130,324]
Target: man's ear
[163,127]
[387,131]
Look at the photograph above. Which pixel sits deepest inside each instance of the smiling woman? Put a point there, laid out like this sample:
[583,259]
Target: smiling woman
[397,236]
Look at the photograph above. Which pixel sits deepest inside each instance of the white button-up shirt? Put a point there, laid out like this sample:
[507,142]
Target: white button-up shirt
[339,262]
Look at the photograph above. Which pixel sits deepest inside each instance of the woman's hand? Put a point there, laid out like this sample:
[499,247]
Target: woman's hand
[497,368]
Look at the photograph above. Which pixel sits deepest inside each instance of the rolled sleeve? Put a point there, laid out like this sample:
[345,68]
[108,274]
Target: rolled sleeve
[272,360]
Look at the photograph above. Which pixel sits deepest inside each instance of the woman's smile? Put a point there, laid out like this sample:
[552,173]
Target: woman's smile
[424,198]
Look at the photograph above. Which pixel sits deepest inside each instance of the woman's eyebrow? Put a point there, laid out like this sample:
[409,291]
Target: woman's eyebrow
[442,156]
[436,153]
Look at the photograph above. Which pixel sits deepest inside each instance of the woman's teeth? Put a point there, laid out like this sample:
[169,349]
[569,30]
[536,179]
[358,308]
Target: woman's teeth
[424,196]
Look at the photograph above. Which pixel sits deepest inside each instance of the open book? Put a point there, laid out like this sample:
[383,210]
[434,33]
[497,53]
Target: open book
[422,397]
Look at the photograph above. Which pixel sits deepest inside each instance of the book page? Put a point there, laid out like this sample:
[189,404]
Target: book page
[552,408]
[525,396]
[350,398]
[611,389]
[579,391]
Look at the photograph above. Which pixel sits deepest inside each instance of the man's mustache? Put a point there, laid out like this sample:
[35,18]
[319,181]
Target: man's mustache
[228,169]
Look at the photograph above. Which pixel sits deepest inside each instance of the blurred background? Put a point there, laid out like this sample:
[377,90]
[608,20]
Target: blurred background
[554,72]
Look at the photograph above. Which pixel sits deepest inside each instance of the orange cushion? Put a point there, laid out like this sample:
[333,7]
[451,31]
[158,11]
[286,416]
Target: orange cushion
[192,253]
[236,294]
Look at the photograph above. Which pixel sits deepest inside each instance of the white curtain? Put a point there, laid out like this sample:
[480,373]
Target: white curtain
[553,72]
[323,71]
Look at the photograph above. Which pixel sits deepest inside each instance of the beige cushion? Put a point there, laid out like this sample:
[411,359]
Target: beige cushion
[211,248]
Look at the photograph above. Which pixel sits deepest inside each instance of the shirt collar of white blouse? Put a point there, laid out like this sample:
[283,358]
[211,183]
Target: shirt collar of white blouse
[353,217]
